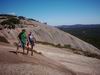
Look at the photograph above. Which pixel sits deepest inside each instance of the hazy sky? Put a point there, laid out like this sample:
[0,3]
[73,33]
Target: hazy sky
[55,12]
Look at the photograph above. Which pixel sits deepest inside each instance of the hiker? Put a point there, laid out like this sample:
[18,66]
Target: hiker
[31,41]
[22,40]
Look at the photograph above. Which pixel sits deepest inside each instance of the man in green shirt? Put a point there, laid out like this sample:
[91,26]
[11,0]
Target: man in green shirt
[22,38]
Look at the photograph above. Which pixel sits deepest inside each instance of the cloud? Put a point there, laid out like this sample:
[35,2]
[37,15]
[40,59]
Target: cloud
[10,13]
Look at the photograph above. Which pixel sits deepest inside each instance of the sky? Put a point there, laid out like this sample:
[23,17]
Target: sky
[55,12]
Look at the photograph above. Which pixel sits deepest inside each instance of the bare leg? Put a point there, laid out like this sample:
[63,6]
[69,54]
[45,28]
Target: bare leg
[23,46]
[31,50]
[23,50]
[31,53]
[17,48]
[27,50]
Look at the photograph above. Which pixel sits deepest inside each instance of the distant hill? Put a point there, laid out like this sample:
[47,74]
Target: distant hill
[88,33]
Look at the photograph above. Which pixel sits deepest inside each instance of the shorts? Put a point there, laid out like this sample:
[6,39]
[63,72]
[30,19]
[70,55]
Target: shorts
[32,43]
[23,44]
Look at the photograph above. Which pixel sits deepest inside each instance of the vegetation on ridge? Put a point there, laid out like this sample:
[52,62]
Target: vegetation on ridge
[76,51]
[10,23]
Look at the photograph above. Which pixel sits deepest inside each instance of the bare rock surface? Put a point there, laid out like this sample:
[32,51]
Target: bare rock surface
[53,61]
[79,64]
[12,64]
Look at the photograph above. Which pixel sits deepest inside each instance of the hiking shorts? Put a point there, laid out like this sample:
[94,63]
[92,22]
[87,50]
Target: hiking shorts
[32,43]
[23,44]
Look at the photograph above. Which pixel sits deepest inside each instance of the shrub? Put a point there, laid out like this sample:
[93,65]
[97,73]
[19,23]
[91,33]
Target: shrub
[5,22]
[21,17]
[58,45]
[67,46]
[45,23]
[45,43]
[32,19]
[8,15]
[10,23]
[14,20]
[3,39]
[94,55]
[86,53]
